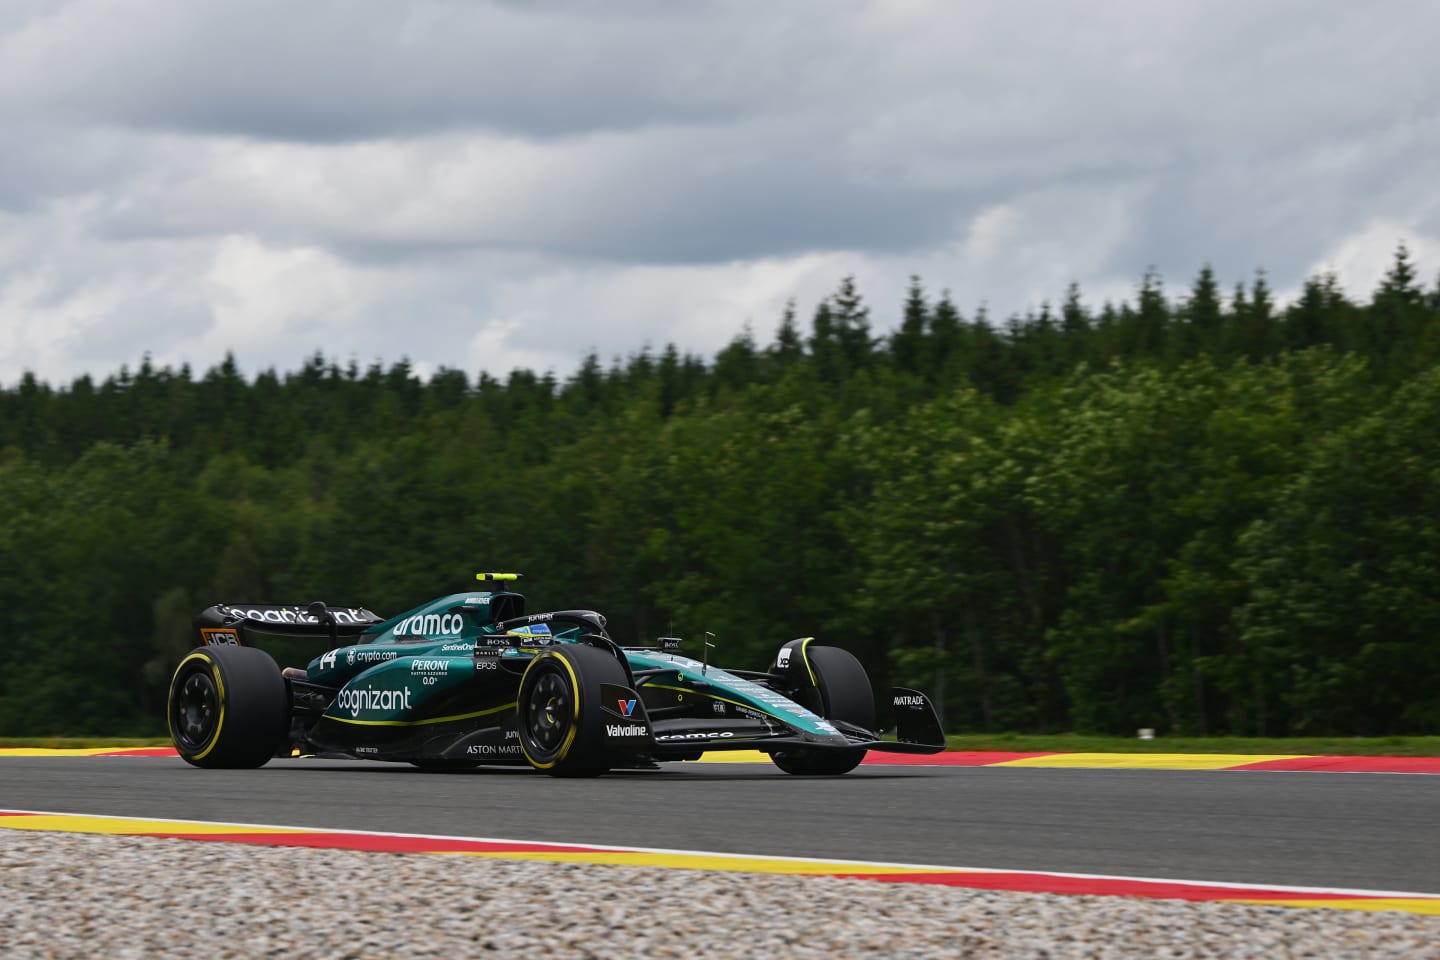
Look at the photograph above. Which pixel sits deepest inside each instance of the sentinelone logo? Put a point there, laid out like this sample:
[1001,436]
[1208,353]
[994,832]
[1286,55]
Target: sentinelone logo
[357,700]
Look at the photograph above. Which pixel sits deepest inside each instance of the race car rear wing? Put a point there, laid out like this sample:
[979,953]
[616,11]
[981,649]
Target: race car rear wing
[226,623]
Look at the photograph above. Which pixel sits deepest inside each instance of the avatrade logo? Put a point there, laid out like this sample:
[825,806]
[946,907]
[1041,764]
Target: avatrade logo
[627,708]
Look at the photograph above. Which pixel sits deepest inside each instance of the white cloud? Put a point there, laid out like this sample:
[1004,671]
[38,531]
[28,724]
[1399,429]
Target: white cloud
[491,184]
[1360,261]
[259,294]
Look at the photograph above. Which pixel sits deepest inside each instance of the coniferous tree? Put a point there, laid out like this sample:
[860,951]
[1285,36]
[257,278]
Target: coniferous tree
[825,351]
[945,341]
[1089,518]
[852,327]
[1201,318]
[907,344]
[1074,327]
[788,348]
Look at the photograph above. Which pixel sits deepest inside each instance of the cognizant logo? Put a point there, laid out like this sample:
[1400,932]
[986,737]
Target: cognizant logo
[355,701]
[289,615]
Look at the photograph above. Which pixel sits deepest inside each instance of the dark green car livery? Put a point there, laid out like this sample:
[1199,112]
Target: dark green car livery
[470,678]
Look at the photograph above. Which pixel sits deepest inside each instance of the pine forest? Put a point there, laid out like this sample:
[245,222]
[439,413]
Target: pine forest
[1200,510]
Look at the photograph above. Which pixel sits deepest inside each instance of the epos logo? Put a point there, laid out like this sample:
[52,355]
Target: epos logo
[627,708]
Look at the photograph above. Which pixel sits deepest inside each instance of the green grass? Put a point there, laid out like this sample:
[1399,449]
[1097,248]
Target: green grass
[1082,743]
[1013,742]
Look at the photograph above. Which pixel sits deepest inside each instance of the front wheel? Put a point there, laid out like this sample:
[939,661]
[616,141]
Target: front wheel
[845,694]
[228,707]
[558,717]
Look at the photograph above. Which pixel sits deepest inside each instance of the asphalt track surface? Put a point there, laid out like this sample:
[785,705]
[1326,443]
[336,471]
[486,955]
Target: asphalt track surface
[1373,831]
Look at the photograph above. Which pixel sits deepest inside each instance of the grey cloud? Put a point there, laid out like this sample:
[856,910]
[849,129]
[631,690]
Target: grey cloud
[677,196]
[325,71]
[41,162]
[1282,212]
[459,164]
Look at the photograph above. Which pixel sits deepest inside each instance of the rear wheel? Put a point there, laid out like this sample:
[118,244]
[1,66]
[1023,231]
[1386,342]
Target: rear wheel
[845,694]
[228,707]
[558,717]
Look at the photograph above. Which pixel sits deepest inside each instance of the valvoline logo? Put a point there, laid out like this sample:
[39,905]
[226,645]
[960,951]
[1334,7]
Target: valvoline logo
[627,708]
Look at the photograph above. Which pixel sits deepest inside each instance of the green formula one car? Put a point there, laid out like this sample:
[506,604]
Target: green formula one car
[471,679]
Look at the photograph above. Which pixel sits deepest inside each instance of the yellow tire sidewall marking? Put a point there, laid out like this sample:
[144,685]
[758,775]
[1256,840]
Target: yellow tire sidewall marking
[574,720]
[219,696]
[805,657]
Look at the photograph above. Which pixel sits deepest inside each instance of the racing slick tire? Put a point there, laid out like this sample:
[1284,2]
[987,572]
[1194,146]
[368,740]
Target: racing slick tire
[845,694]
[228,707]
[558,717]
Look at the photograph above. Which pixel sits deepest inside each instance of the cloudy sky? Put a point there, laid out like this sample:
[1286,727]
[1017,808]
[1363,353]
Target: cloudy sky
[487,185]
